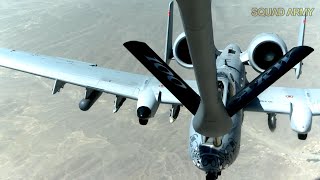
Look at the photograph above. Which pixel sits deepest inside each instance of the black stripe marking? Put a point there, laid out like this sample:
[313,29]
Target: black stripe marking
[175,84]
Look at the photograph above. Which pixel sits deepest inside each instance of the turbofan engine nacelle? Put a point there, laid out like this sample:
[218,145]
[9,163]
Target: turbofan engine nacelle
[147,104]
[264,50]
[181,51]
[300,118]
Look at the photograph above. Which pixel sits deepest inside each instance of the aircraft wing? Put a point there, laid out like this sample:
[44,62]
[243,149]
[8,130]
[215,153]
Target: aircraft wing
[90,76]
[282,99]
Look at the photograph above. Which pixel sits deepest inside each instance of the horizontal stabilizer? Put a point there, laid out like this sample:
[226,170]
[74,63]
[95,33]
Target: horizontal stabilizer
[267,78]
[175,84]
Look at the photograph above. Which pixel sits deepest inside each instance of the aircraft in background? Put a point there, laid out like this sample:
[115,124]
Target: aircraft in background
[217,98]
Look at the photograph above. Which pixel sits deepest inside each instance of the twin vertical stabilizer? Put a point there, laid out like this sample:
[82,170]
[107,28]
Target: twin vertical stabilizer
[302,29]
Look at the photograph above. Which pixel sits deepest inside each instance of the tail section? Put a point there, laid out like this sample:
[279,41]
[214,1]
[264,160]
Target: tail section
[302,29]
[168,54]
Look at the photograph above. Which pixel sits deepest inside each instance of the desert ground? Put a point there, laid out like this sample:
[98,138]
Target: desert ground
[44,136]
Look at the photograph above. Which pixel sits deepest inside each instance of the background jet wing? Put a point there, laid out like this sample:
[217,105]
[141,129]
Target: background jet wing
[84,74]
[280,99]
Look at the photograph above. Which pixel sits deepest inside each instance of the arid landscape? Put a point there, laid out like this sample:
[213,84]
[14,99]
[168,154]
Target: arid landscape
[44,136]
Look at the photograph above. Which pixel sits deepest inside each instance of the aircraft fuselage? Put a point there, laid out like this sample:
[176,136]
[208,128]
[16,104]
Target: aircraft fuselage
[206,153]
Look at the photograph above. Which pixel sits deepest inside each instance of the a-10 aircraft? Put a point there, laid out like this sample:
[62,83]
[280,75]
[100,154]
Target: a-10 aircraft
[217,98]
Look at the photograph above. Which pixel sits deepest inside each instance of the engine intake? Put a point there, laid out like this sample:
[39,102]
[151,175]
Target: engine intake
[181,51]
[265,50]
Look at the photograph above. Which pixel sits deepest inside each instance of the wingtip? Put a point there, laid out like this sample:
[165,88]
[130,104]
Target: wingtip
[308,49]
[128,43]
